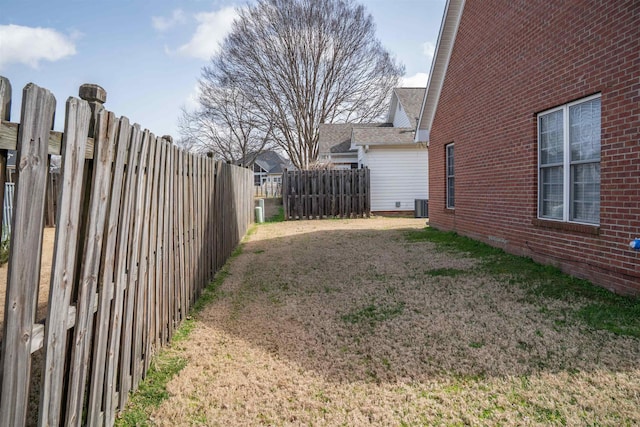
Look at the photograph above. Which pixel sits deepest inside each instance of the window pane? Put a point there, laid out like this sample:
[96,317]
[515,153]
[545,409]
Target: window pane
[450,177]
[550,128]
[585,197]
[584,130]
[551,192]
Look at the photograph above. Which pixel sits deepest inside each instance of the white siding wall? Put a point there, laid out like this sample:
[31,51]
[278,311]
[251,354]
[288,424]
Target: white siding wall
[397,175]
[400,119]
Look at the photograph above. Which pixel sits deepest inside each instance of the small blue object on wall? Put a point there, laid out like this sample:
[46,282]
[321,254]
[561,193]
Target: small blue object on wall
[635,244]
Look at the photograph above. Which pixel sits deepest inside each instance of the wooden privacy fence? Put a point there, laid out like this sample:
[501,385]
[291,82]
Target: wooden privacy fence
[141,228]
[311,194]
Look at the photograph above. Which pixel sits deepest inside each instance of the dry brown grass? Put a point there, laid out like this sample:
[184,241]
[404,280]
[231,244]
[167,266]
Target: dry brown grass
[344,322]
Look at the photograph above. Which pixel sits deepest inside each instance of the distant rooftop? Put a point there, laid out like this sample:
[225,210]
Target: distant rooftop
[411,99]
[385,136]
[269,160]
[336,137]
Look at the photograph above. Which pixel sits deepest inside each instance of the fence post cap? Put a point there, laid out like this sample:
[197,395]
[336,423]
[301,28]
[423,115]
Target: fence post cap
[92,92]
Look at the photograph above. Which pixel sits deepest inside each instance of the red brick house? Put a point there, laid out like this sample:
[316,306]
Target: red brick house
[532,116]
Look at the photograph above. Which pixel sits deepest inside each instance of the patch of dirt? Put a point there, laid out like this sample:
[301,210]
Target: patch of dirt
[343,322]
[48,238]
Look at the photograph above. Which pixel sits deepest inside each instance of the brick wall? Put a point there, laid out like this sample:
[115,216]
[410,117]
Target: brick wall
[511,60]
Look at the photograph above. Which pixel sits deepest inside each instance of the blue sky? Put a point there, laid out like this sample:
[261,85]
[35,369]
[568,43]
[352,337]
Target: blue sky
[148,54]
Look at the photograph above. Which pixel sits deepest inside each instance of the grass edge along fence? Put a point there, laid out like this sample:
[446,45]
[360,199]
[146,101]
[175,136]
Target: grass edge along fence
[327,193]
[142,227]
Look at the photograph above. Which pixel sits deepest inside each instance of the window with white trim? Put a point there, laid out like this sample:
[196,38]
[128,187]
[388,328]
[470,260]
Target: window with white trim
[451,199]
[569,162]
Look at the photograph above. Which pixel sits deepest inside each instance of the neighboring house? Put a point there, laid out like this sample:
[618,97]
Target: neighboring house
[334,144]
[397,164]
[268,167]
[533,126]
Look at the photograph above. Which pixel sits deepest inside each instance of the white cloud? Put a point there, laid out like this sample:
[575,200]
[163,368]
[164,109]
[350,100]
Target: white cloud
[417,80]
[192,102]
[212,29]
[161,23]
[428,50]
[29,46]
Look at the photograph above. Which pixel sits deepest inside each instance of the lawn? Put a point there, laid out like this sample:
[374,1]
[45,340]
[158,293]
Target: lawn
[384,322]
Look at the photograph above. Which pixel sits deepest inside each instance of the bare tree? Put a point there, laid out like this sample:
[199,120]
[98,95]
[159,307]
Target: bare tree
[226,124]
[303,63]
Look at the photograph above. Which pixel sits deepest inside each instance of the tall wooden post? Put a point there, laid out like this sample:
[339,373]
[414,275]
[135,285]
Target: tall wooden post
[96,96]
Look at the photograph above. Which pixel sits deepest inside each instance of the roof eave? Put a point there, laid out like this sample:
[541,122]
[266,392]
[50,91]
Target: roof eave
[444,47]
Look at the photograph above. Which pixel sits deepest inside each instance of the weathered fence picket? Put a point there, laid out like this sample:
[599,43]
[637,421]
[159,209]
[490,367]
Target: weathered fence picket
[77,118]
[38,108]
[142,227]
[315,194]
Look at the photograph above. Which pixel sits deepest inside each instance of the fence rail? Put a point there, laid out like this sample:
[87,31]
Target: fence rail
[315,194]
[142,227]
[268,190]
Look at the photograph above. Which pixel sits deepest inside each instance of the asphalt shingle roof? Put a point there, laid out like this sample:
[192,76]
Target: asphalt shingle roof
[270,161]
[411,100]
[384,136]
[336,137]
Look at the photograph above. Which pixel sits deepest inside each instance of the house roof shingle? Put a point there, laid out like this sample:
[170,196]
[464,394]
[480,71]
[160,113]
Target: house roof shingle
[336,137]
[270,161]
[386,136]
[411,100]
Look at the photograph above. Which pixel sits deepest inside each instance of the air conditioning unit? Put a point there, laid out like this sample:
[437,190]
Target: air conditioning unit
[422,208]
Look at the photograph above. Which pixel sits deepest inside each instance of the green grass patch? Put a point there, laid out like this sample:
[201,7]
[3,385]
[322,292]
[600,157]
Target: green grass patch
[279,217]
[212,291]
[152,391]
[168,363]
[446,272]
[374,313]
[598,307]
[622,317]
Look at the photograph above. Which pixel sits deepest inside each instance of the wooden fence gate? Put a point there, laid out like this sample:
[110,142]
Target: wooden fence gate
[316,194]
[142,227]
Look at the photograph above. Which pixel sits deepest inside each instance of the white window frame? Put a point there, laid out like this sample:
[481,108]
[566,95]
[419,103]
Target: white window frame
[566,162]
[450,176]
